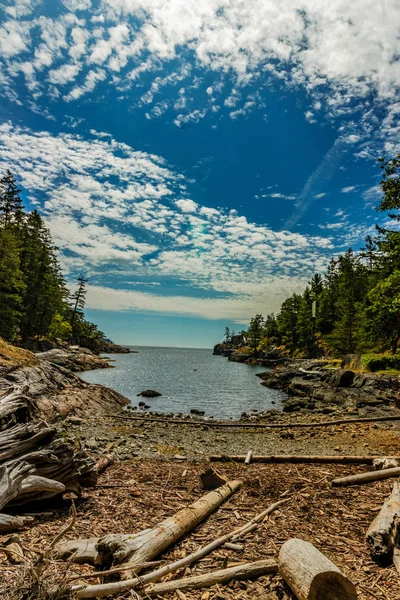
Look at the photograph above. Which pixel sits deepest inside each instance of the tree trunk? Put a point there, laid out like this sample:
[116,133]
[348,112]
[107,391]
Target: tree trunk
[246,571]
[384,532]
[115,549]
[310,575]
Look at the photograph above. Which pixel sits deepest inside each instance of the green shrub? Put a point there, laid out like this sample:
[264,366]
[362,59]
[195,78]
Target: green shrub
[380,362]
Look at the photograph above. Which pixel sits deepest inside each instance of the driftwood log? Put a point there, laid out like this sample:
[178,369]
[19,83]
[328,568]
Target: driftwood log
[34,463]
[366,477]
[296,458]
[310,575]
[118,587]
[384,532]
[131,551]
[207,423]
[246,571]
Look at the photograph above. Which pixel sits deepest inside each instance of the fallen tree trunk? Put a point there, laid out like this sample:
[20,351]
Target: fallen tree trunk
[367,477]
[107,589]
[205,423]
[134,550]
[297,458]
[310,575]
[384,531]
[246,571]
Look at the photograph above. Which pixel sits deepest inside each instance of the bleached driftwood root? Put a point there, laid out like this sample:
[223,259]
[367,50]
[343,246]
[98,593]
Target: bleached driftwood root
[34,463]
[310,575]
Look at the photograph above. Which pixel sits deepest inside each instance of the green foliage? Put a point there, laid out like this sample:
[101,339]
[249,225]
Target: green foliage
[380,362]
[357,298]
[34,301]
[59,328]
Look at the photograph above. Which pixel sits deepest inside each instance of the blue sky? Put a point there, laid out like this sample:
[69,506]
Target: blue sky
[198,161]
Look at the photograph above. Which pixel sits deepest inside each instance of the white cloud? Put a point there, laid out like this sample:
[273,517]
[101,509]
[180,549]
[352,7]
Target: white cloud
[187,206]
[64,74]
[348,189]
[282,196]
[343,57]
[115,210]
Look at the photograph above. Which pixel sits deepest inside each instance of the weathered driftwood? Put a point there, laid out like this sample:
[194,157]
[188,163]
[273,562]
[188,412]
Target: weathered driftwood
[103,463]
[211,479]
[207,423]
[101,590]
[34,464]
[385,463]
[310,575]
[249,457]
[10,523]
[11,480]
[384,532]
[148,544]
[296,458]
[366,477]
[37,488]
[13,550]
[246,571]
[78,551]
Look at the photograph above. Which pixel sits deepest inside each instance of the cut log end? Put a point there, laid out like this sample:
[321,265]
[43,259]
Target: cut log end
[312,576]
[331,586]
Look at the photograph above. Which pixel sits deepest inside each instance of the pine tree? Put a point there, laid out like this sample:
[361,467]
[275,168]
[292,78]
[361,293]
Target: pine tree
[79,298]
[11,285]
[44,285]
[10,200]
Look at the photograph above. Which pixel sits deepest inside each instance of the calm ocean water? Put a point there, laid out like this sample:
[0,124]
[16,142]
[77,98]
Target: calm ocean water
[187,378]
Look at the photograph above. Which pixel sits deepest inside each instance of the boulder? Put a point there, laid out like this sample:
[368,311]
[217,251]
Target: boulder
[196,411]
[149,394]
[342,378]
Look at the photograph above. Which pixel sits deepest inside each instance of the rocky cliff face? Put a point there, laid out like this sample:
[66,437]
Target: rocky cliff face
[53,390]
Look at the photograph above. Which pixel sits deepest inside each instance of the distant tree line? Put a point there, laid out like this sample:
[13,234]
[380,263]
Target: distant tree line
[357,299]
[34,300]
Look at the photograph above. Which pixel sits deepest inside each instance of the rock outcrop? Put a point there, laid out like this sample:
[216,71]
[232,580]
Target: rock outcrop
[310,384]
[53,390]
[79,359]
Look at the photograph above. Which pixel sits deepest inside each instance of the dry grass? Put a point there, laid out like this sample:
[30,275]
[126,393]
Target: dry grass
[138,494]
[13,357]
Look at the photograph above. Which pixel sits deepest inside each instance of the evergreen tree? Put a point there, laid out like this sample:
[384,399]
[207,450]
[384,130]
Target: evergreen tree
[10,200]
[11,286]
[255,331]
[79,298]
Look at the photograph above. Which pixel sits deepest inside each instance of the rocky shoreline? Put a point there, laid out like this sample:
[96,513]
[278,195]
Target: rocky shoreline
[313,385]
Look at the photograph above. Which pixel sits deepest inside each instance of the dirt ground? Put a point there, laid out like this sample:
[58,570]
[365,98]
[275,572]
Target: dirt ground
[139,491]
